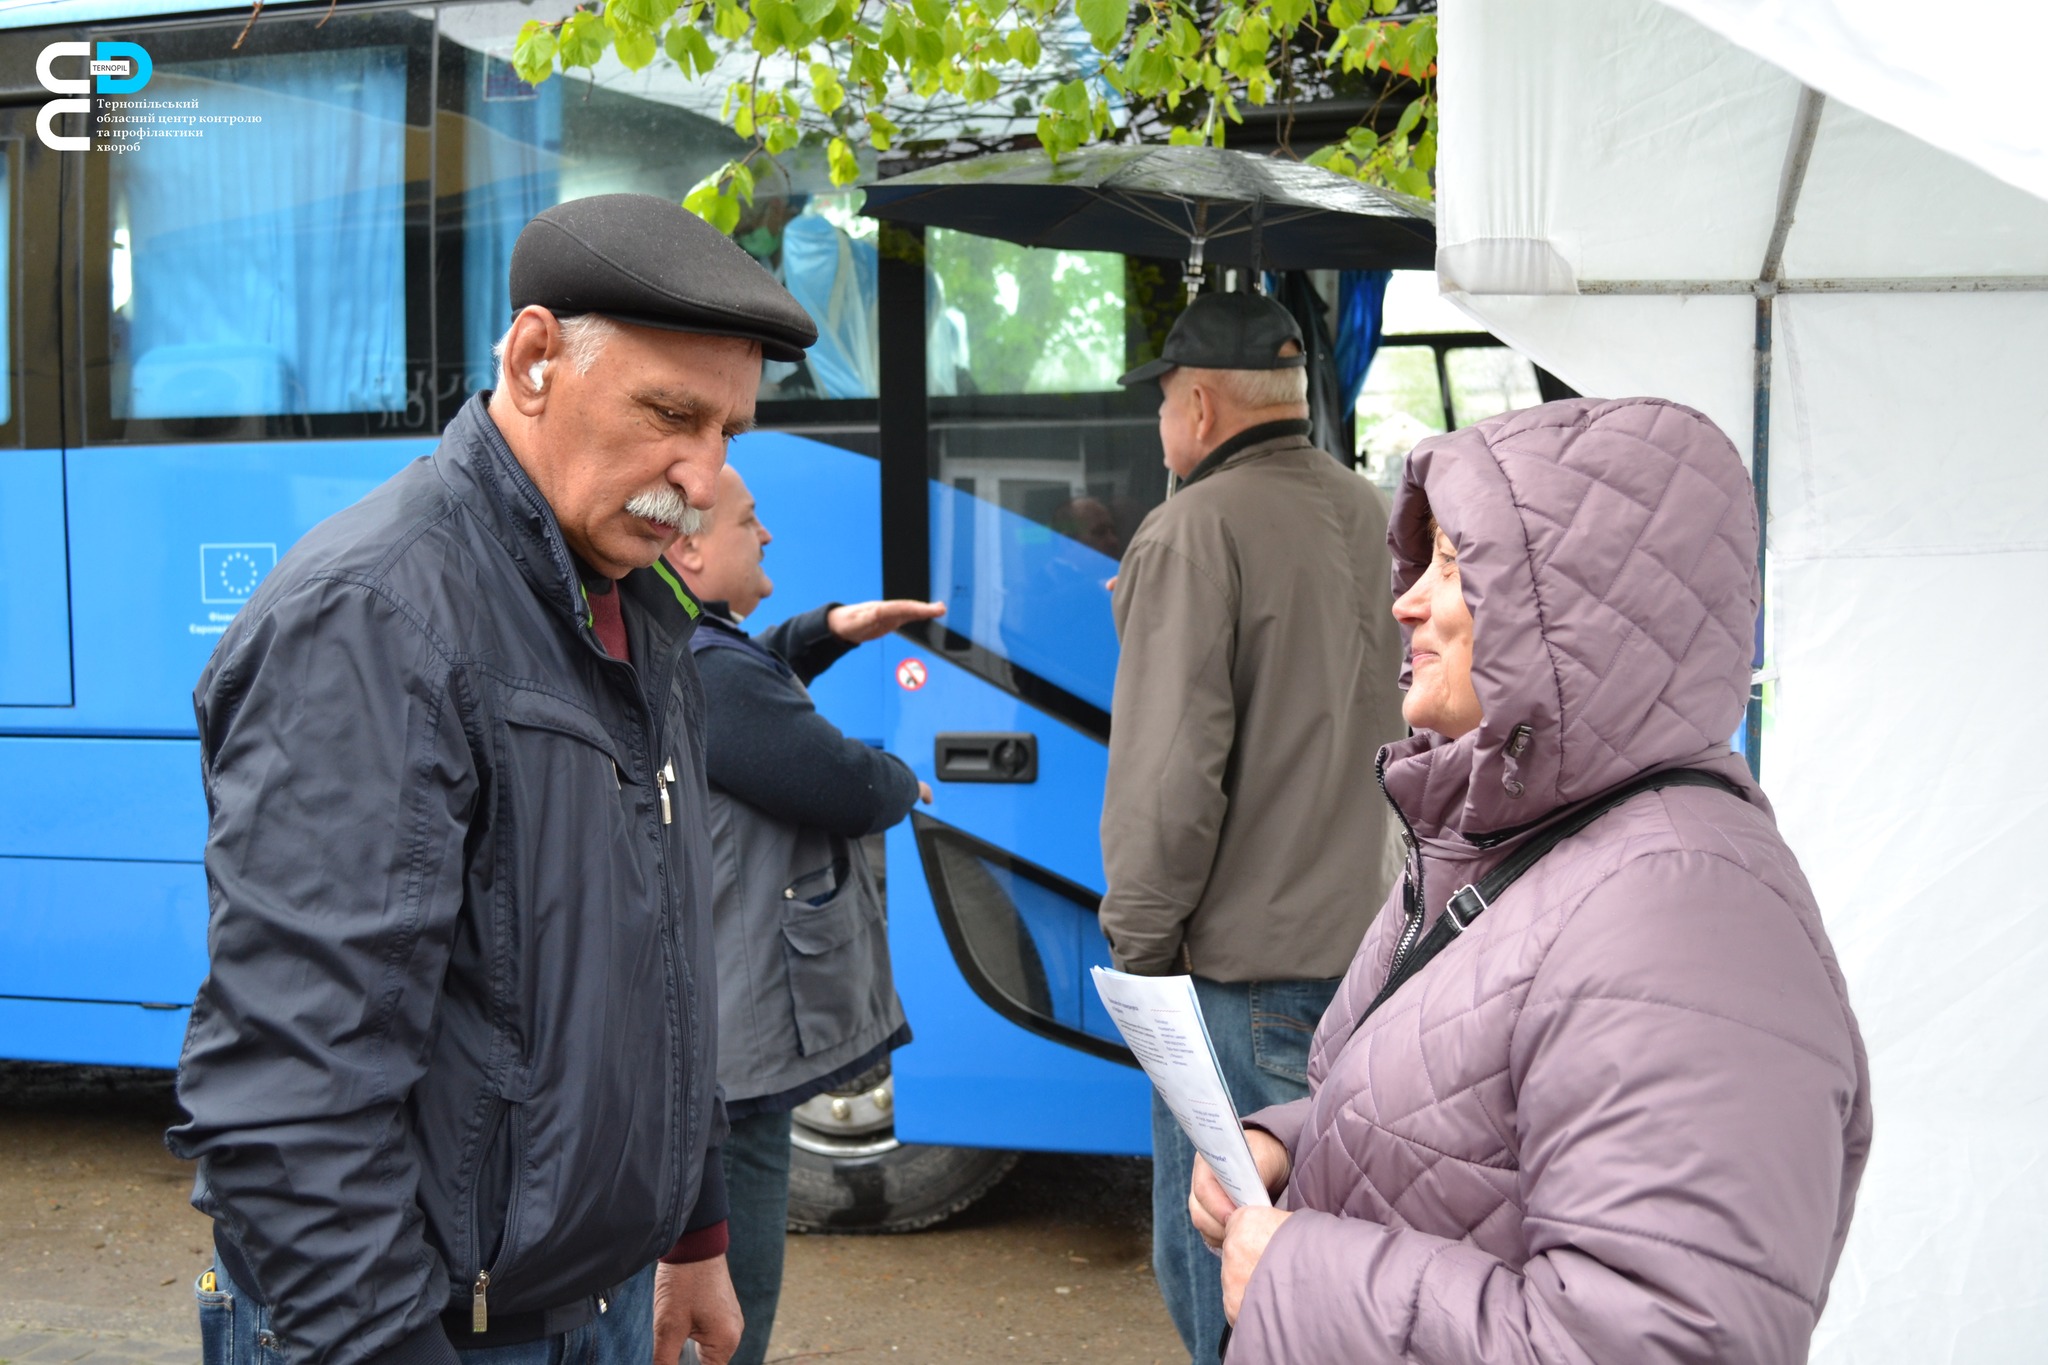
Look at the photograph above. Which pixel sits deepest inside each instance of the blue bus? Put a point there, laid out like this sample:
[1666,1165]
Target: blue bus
[252,272]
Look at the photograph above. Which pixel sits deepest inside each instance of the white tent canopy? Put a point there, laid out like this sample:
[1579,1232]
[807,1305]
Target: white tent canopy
[1627,190]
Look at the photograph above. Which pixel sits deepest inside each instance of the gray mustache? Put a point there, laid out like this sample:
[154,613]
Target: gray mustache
[668,507]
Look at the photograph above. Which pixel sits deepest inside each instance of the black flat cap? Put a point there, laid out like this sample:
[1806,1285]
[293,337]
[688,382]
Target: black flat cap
[1227,332]
[642,259]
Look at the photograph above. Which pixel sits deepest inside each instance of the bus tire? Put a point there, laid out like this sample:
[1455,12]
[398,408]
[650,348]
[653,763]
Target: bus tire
[848,1173]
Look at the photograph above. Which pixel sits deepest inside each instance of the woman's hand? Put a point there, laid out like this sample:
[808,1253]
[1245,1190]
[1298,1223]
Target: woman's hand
[1210,1207]
[1244,1242]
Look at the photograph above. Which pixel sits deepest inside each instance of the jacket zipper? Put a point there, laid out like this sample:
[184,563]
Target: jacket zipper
[663,775]
[1412,901]
[671,967]
[479,1307]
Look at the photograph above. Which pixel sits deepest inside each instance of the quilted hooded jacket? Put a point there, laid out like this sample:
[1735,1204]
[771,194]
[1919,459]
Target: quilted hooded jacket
[1623,1116]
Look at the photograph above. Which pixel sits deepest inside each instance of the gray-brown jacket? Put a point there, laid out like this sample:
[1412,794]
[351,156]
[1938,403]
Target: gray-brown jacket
[1242,821]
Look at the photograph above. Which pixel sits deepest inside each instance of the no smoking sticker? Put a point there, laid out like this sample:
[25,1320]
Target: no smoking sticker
[910,674]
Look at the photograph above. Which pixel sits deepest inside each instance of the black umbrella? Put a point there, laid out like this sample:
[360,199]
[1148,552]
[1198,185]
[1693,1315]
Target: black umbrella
[1194,204]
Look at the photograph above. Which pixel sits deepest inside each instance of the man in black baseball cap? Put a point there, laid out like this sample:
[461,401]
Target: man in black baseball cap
[1232,362]
[1255,684]
[451,1078]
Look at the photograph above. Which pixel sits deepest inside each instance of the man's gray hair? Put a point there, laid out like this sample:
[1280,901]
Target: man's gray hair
[583,339]
[1253,390]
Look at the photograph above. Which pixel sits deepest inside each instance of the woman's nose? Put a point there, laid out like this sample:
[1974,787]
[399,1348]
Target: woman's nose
[1412,606]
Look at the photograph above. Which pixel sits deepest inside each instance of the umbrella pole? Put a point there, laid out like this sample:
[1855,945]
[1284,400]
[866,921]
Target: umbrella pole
[1259,244]
[1198,238]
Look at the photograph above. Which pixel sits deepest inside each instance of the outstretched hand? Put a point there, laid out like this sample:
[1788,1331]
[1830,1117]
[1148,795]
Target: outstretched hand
[864,621]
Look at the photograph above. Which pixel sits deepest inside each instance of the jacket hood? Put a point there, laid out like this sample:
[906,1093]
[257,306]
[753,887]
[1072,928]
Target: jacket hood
[1607,552]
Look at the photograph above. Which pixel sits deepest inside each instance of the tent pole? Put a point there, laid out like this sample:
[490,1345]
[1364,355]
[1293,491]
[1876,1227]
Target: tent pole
[1760,480]
[1805,124]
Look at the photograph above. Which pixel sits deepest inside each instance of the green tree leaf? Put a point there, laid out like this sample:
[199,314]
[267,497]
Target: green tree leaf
[867,66]
[1288,14]
[845,166]
[644,13]
[581,41]
[635,45]
[1104,20]
[533,53]
[710,200]
[686,47]
[826,91]
[981,85]
[729,21]
[895,40]
[1024,47]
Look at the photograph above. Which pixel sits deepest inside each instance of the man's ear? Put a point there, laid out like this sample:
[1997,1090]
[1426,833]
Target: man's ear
[1207,413]
[686,556]
[531,349]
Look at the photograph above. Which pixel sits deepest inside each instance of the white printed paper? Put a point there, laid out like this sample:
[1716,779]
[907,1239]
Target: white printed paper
[1161,1020]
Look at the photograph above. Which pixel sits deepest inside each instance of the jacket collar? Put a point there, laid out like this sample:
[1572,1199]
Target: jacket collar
[1264,433]
[487,478]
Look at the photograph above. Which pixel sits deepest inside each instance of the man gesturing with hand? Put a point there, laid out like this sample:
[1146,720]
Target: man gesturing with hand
[806,1000]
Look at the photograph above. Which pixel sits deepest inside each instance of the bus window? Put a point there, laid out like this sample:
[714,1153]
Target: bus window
[1042,466]
[6,283]
[261,271]
[1485,381]
[523,149]
[1026,938]
[1399,405]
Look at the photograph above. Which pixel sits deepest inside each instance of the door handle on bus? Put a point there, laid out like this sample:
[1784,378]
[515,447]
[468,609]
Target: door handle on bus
[986,756]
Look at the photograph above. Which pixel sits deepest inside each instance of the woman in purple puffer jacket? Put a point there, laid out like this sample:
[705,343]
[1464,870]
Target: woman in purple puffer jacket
[1622,1117]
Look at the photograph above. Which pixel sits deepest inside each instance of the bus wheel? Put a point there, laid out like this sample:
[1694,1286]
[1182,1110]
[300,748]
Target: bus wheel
[848,1173]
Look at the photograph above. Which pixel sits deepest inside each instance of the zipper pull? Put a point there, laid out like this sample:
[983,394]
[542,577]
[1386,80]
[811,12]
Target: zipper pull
[666,775]
[479,1306]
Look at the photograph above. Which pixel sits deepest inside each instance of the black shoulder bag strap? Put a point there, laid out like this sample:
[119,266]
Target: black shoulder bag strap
[1471,902]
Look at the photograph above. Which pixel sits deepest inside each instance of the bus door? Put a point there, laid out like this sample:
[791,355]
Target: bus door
[1013,505]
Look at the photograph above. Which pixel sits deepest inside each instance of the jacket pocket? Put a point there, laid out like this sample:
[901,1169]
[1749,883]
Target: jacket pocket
[493,1198]
[830,946]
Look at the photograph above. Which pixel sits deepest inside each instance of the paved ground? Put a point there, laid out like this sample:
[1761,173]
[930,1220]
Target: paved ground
[98,1250]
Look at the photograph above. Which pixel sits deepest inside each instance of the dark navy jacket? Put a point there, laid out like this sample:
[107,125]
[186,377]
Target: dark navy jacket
[459,1024]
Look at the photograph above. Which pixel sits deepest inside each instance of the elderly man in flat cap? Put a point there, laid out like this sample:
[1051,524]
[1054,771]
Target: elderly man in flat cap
[450,1078]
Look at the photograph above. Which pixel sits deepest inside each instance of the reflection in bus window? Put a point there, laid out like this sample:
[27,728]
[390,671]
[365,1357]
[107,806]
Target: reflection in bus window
[1400,404]
[1042,467]
[1489,380]
[1028,320]
[261,271]
[527,148]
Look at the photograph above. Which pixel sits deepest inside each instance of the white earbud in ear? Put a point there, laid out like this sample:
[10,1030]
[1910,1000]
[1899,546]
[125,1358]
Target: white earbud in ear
[537,376]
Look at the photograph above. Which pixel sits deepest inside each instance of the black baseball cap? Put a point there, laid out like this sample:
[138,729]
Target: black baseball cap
[1227,332]
[645,260]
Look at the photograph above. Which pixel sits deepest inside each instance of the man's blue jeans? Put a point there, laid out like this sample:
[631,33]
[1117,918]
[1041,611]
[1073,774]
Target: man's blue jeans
[756,1160]
[234,1329]
[1261,1031]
